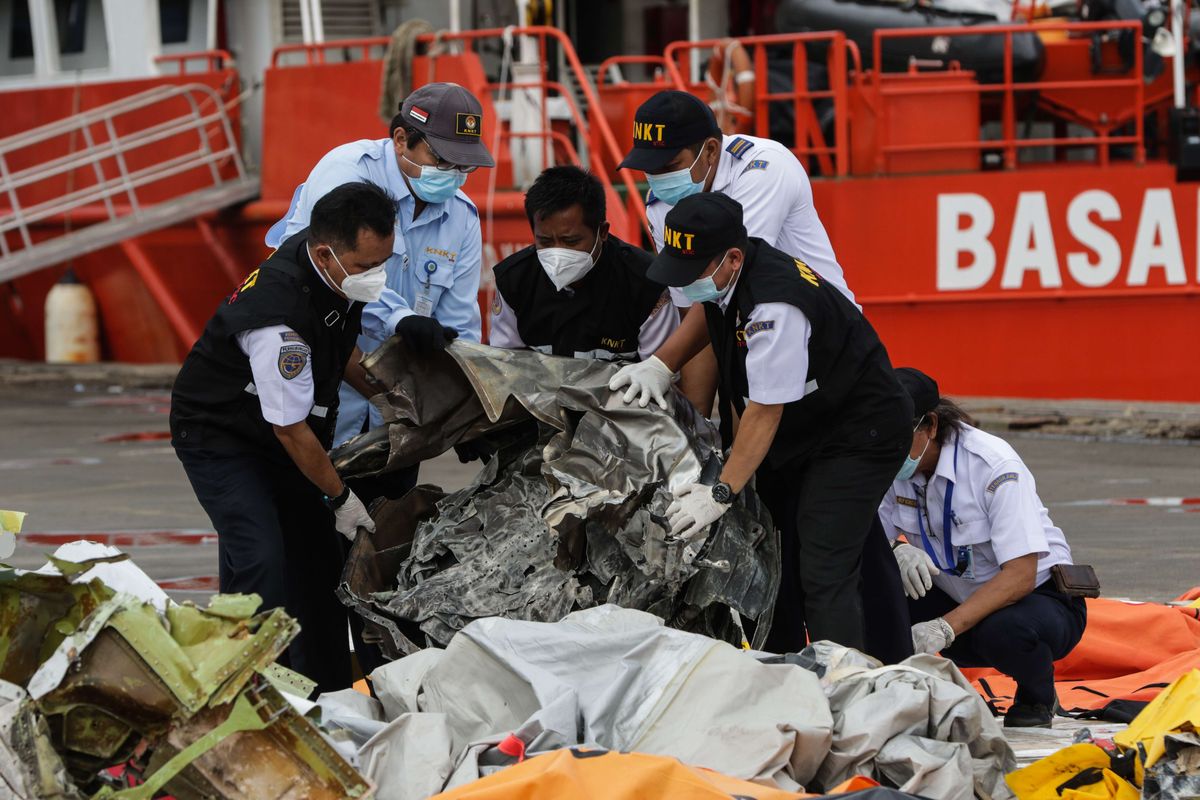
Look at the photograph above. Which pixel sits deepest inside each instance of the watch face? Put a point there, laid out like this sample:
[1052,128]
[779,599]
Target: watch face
[722,493]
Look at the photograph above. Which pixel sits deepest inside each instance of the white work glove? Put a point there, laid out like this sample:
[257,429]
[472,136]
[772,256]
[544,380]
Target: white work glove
[933,636]
[646,379]
[351,516]
[916,570]
[693,510]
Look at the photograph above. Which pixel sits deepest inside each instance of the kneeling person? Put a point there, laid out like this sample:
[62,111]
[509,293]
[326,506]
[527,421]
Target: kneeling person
[981,553]
[578,290]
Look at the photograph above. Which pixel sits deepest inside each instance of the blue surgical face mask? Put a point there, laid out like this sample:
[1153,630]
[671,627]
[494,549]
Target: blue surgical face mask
[435,185]
[910,464]
[705,290]
[671,187]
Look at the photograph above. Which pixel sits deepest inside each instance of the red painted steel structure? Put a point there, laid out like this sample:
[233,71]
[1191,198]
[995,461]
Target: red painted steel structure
[1057,278]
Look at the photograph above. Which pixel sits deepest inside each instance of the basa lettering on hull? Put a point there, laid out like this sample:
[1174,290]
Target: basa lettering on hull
[1091,255]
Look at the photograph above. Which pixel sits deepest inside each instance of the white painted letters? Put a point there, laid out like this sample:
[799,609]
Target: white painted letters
[1157,241]
[1104,269]
[1031,244]
[952,240]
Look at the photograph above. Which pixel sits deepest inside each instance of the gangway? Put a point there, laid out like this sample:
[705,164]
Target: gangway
[151,160]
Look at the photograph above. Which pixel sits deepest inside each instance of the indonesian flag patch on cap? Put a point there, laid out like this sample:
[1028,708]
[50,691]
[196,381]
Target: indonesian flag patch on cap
[418,114]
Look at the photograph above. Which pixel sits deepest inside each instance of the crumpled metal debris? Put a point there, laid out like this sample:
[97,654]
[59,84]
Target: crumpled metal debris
[568,514]
[1176,775]
[185,695]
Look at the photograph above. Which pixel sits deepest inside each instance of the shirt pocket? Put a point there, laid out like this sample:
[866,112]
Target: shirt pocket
[972,531]
[904,519]
[434,276]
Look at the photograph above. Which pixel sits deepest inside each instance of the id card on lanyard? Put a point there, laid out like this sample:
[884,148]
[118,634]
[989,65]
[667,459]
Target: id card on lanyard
[954,566]
[424,304]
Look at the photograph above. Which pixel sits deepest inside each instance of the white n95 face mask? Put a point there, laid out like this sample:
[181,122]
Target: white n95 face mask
[564,266]
[365,287]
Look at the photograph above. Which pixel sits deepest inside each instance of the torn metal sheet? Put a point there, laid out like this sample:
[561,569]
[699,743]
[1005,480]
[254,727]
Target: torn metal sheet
[185,694]
[568,514]
[29,765]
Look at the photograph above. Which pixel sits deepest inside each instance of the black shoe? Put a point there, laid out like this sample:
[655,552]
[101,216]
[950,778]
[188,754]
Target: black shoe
[1026,715]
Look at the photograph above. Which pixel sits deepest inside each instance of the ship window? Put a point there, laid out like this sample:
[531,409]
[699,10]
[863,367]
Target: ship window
[173,18]
[71,16]
[20,39]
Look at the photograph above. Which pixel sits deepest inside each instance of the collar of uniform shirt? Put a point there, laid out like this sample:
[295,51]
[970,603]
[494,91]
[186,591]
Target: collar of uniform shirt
[321,273]
[725,165]
[945,464]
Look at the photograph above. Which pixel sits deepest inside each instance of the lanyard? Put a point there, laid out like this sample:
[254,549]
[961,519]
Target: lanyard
[947,521]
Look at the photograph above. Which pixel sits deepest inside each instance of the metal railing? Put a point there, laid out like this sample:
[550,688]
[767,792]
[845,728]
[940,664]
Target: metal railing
[206,60]
[1130,113]
[809,140]
[155,148]
[602,163]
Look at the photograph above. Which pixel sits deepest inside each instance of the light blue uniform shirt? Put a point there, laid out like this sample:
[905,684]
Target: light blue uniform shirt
[435,263]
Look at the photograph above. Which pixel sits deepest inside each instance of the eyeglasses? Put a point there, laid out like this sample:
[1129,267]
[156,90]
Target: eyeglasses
[447,166]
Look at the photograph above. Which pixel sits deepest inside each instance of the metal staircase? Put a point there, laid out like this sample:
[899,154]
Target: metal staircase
[174,143]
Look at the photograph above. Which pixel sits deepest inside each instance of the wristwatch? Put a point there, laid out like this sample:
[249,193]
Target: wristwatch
[722,492]
[335,503]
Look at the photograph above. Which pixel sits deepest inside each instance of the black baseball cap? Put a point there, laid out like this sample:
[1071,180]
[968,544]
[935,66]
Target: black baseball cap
[921,388]
[451,118]
[665,124]
[697,228]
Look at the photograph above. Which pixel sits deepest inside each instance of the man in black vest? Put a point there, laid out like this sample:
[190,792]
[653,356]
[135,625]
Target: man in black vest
[578,290]
[824,424]
[253,413]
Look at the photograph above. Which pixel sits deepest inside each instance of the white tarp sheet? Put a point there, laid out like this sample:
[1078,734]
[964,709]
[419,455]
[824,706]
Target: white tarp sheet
[618,679]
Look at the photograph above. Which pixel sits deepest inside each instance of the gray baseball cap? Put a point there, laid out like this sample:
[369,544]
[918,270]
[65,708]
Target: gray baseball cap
[452,119]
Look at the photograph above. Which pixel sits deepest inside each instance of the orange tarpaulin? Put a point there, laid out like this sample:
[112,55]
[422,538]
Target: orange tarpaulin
[565,774]
[1129,651]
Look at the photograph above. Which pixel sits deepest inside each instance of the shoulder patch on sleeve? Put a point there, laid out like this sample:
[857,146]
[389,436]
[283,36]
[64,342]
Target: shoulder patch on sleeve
[758,163]
[497,305]
[291,336]
[739,147]
[1008,477]
[292,358]
[911,502]
[759,326]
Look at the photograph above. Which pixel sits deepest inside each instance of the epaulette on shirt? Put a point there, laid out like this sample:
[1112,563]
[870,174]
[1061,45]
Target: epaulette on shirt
[739,147]
[650,198]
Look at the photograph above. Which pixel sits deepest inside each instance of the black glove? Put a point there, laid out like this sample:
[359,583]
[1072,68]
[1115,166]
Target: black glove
[472,451]
[424,335]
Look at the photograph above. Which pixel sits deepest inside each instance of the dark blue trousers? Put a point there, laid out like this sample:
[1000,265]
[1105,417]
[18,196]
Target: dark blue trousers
[1022,641]
[275,538]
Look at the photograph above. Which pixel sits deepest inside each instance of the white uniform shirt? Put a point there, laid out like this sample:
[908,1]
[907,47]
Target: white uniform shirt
[282,368]
[777,337]
[662,322]
[281,364]
[997,515]
[434,269]
[777,205]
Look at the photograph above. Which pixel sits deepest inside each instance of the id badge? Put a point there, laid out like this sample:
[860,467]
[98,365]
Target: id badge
[966,560]
[424,305]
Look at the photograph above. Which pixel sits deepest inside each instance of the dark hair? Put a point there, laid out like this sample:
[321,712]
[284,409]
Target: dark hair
[694,149]
[559,188]
[950,417]
[412,134]
[347,209]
